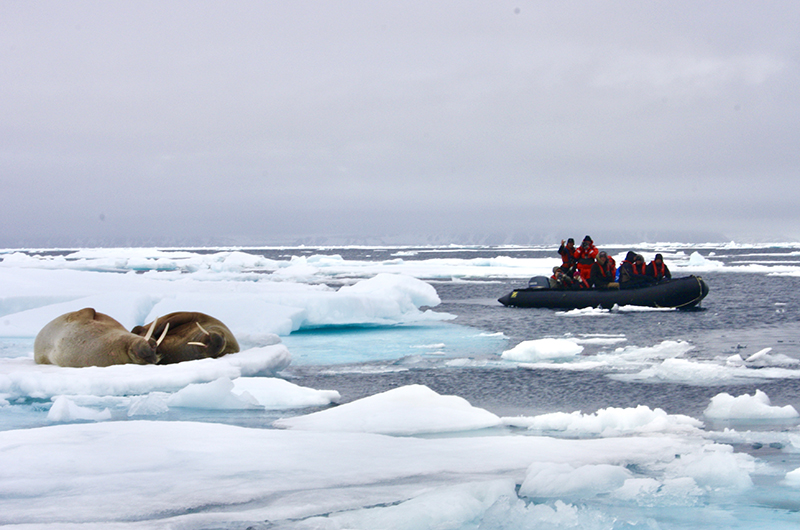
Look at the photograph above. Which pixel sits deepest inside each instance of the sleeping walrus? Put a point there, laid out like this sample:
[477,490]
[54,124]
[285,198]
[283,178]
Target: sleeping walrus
[88,338]
[191,336]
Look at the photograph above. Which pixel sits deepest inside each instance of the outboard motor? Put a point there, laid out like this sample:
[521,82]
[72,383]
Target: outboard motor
[539,282]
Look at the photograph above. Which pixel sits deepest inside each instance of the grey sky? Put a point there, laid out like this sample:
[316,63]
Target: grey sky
[256,122]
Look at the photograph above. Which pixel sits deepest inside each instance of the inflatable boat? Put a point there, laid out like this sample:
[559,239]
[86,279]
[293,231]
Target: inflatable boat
[681,293]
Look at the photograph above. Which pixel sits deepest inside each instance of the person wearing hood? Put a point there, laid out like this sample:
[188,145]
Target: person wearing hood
[632,273]
[625,270]
[658,270]
[603,272]
[585,256]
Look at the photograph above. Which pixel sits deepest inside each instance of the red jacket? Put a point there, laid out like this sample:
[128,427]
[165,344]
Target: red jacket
[585,257]
[586,254]
[639,269]
[568,256]
[657,272]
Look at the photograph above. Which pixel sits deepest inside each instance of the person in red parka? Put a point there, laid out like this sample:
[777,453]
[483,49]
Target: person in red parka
[585,256]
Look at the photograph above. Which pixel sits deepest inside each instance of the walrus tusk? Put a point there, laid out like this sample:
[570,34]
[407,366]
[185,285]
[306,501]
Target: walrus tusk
[164,334]
[150,331]
[202,328]
[198,344]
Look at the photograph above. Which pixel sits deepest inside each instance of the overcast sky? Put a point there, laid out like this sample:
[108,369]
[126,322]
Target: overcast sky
[197,122]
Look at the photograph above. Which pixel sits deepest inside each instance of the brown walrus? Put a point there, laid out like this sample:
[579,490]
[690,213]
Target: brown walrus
[191,336]
[88,338]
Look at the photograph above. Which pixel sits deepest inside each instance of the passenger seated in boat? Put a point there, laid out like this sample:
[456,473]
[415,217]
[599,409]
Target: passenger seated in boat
[561,280]
[640,278]
[604,272]
[624,271]
[580,281]
[631,275]
[657,270]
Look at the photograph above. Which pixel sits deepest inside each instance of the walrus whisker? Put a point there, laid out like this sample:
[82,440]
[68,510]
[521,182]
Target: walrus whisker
[198,344]
[164,334]
[202,328]
[150,331]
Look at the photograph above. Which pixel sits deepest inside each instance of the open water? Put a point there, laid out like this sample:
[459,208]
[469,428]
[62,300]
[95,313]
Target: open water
[744,313]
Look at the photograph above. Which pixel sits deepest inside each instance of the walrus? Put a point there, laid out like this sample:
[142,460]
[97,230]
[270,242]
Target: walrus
[88,338]
[191,336]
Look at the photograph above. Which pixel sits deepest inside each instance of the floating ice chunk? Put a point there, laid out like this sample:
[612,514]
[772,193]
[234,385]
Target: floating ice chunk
[215,395]
[642,309]
[543,350]
[436,346]
[715,467]
[793,478]
[706,373]
[585,312]
[665,350]
[610,422]
[64,410]
[546,479]
[698,263]
[408,291]
[412,409]
[382,299]
[756,407]
[762,358]
[760,354]
[274,393]
[600,339]
[734,360]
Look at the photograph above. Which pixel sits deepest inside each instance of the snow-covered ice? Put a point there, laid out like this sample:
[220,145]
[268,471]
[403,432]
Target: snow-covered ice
[406,410]
[609,422]
[543,350]
[723,406]
[105,472]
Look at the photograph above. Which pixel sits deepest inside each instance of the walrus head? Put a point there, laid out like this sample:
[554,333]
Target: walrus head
[144,353]
[213,341]
[147,349]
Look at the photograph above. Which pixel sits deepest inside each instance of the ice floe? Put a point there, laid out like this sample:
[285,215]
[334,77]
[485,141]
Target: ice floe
[413,409]
[723,406]
[609,421]
[543,350]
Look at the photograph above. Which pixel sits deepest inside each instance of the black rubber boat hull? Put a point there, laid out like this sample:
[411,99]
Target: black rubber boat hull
[678,293]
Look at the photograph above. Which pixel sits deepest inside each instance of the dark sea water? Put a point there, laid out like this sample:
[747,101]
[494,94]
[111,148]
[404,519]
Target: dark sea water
[744,313]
